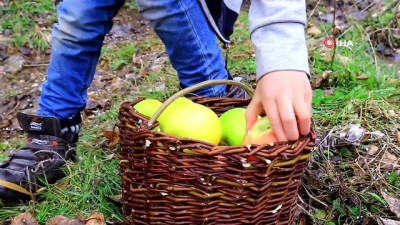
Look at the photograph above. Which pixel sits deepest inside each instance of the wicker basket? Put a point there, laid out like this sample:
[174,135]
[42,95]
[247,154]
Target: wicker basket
[162,184]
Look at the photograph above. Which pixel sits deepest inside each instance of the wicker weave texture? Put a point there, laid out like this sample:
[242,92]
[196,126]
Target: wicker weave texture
[170,180]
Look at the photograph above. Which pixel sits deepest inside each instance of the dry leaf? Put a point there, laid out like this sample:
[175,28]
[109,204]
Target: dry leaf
[382,221]
[392,81]
[109,157]
[388,160]
[62,220]
[116,198]
[398,137]
[137,61]
[24,219]
[394,203]
[314,31]
[320,79]
[328,92]
[116,84]
[62,183]
[326,57]
[362,77]
[96,219]
[372,150]
[112,137]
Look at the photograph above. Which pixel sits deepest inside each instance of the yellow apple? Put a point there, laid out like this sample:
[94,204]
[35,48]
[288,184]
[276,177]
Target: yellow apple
[147,106]
[193,121]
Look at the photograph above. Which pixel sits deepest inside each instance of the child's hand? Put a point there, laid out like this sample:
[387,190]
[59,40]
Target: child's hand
[286,97]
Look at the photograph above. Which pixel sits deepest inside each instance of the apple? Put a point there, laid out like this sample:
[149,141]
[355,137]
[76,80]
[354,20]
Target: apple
[260,133]
[147,106]
[233,124]
[170,110]
[193,121]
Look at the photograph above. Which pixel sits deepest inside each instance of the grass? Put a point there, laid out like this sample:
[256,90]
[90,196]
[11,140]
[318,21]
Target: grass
[22,20]
[347,189]
[90,182]
[118,55]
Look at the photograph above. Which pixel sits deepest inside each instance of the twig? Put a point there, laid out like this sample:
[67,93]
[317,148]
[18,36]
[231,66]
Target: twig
[334,34]
[368,6]
[36,65]
[312,12]
[304,210]
[381,29]
[315,199]
[393,5]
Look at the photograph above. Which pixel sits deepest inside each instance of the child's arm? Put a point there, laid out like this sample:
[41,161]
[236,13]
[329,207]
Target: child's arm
[283,90]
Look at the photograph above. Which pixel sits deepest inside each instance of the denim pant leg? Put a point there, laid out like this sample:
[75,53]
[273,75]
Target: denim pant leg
[190,42]
[76,42]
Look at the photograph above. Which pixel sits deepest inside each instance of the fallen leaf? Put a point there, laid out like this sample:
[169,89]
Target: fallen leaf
[24,219]
[398,137]
[326,57]
[62,183]
[109,157]
[372,150]
[62,220]
[382,221]
[96,219]
[392,81]
[320,79]
[394,203]
[388,160]
[116,198]
[314,31]
[112,137]
[116,84]
[362,77]
[137,61]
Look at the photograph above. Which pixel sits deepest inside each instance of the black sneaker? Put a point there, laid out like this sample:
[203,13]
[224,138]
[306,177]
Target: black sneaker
[46,150]
[235,91]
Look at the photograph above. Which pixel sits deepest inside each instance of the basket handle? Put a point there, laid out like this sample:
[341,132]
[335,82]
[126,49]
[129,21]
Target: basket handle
[195,87]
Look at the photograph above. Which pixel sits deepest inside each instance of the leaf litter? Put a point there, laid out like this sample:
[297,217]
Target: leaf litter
[28,219]
[351,164]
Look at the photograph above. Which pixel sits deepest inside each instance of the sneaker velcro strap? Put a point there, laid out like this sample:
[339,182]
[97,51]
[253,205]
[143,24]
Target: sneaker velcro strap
[45,142]
[14,187]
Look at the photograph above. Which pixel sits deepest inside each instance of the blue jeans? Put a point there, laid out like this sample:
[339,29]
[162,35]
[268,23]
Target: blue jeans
[78,36]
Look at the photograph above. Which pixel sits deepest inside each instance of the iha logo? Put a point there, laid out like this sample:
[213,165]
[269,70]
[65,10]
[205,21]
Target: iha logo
[330,42]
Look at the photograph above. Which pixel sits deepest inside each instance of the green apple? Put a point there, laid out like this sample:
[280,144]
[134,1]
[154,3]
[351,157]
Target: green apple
[233,124]
[147,106]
